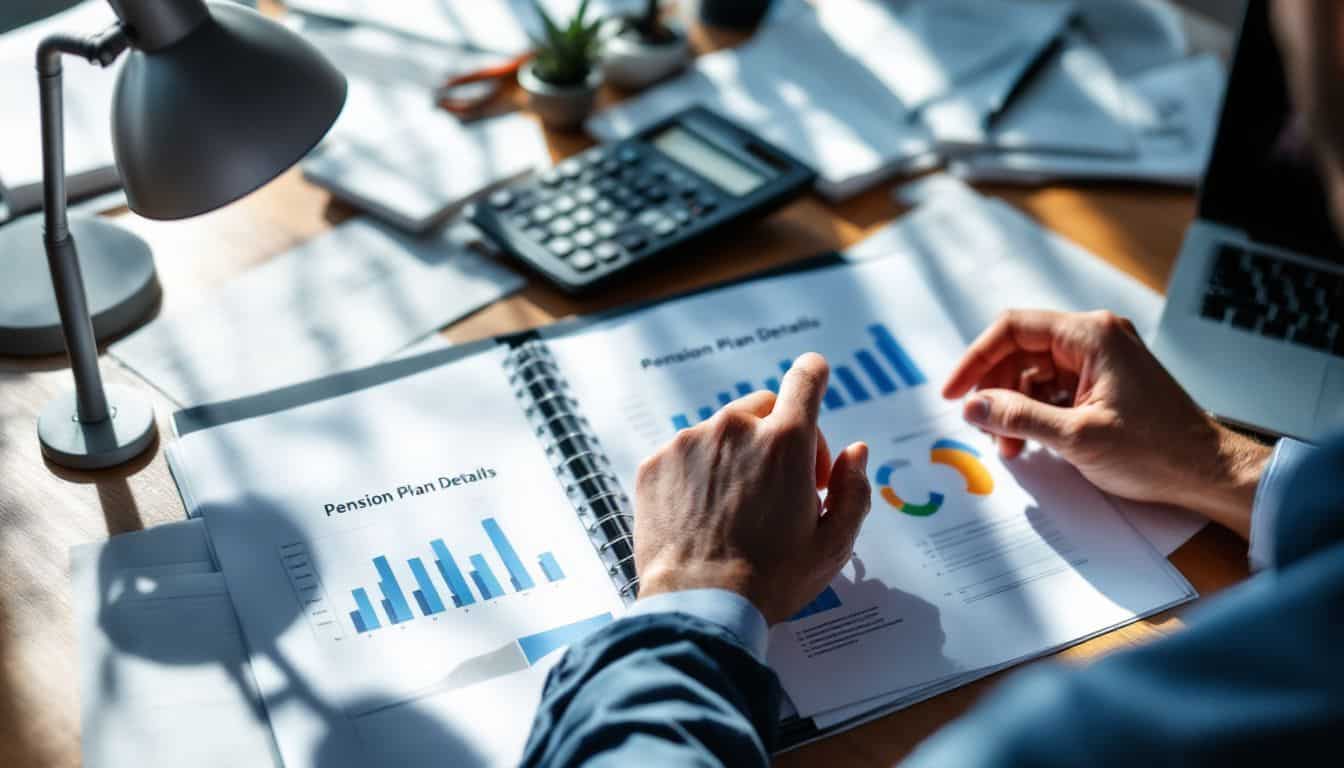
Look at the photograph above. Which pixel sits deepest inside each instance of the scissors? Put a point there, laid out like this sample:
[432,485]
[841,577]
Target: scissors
[465,94]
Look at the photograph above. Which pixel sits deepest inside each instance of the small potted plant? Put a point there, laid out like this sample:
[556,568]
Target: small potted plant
[562,77]
[642,49]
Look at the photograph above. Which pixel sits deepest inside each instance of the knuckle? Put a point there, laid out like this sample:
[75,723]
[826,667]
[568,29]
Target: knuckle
[730,424]
[1109,324]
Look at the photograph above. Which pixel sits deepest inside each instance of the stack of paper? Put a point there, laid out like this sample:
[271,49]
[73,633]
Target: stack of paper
[1117,99]
[87,100]
[350,297]
[1172,111]
[838,85]
[392,152]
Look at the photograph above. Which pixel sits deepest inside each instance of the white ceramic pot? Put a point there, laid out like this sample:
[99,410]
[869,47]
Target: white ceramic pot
[563,107]
[631,63]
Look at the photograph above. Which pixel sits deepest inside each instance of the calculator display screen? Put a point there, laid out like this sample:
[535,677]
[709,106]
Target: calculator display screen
[709,161]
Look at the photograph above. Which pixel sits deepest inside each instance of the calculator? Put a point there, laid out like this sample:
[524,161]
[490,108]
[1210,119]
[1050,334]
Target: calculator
[598,214]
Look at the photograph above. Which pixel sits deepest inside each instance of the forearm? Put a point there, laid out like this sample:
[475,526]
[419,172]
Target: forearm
[656,689]
[1222,484]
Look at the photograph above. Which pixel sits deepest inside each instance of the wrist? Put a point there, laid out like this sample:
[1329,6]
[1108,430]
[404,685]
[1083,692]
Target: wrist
[1223,486]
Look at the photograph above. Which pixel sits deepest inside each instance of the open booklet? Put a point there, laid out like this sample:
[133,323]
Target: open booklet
[410,547]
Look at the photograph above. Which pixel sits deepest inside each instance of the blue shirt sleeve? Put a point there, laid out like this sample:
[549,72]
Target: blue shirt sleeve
[1270,499]
[656,689]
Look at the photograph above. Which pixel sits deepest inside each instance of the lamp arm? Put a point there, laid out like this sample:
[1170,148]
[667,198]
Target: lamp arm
[66,279]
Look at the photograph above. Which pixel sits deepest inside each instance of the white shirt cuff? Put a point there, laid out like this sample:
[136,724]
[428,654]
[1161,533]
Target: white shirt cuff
[1270,497]
[729,610]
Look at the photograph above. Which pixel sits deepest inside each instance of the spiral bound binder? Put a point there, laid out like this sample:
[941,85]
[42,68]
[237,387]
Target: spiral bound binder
[578,460]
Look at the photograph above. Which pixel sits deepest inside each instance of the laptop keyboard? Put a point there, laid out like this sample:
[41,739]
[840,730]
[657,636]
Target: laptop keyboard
[1276,298]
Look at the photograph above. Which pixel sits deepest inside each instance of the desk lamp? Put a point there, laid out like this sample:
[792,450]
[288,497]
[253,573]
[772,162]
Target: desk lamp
[213,102]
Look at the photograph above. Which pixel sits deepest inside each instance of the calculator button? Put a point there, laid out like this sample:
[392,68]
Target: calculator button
[561,246]
[633,239]
[607,251]
[649,218]
[583,216]
[655,194]
[664,227]
[542,214]
[582,260]
[628,156]
[562,226]
[585,195]
[551,177]
[570,168]
[564,204]
[606,229]
[603,206]
[594,156]
[680,215]
[502,199]
[536,234]
[585,238]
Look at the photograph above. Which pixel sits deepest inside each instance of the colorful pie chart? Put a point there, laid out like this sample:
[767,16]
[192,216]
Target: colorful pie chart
[959,456]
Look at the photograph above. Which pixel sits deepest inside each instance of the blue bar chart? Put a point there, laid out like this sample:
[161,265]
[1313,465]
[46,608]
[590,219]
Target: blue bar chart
[827,600]
[550,567]
[879,370]
[395,599]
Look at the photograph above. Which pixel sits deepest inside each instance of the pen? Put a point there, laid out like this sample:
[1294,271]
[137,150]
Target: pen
[1024,78]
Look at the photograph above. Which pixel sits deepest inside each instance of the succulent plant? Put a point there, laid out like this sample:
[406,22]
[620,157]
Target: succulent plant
[565,55]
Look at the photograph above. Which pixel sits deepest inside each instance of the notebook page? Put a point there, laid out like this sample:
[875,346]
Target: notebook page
[404,564]
[957,544]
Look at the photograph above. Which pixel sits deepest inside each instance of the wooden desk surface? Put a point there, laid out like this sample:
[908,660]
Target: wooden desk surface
[45,510]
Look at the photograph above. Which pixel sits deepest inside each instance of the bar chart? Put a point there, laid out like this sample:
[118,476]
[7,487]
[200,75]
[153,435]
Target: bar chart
[880,370]
[389,603]
[823,602]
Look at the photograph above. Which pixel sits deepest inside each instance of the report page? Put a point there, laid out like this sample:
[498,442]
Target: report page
[965,563]
[405,566]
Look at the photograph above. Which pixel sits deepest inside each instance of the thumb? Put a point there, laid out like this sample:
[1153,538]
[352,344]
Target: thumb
[1005,413]
[848,498]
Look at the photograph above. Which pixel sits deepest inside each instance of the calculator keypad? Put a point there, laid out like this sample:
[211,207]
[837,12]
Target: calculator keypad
[605,207]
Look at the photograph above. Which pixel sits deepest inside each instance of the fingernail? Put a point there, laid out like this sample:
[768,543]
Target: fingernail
[977,410]
[863,457]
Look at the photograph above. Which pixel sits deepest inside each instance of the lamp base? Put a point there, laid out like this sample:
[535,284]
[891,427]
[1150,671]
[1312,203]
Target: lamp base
[119,281]
[70,443]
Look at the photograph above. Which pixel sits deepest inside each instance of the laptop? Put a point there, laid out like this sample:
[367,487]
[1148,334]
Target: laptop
[1254,321]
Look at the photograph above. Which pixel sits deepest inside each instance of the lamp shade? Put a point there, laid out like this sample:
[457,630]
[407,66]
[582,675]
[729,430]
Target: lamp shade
[225,103]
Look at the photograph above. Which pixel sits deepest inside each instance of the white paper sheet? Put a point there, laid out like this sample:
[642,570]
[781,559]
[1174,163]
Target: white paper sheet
[429,458]
[1073,104]
[501,26]
[352,296]
[965,563]
[164,679]
[392,151]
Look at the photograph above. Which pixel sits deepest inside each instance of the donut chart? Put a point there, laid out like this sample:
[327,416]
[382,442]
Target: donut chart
[954,454]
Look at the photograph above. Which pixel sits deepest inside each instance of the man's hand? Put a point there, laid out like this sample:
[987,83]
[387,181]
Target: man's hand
[732,503]
[1086,386]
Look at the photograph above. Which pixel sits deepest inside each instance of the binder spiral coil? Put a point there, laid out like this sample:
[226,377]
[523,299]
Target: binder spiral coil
[578,460]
